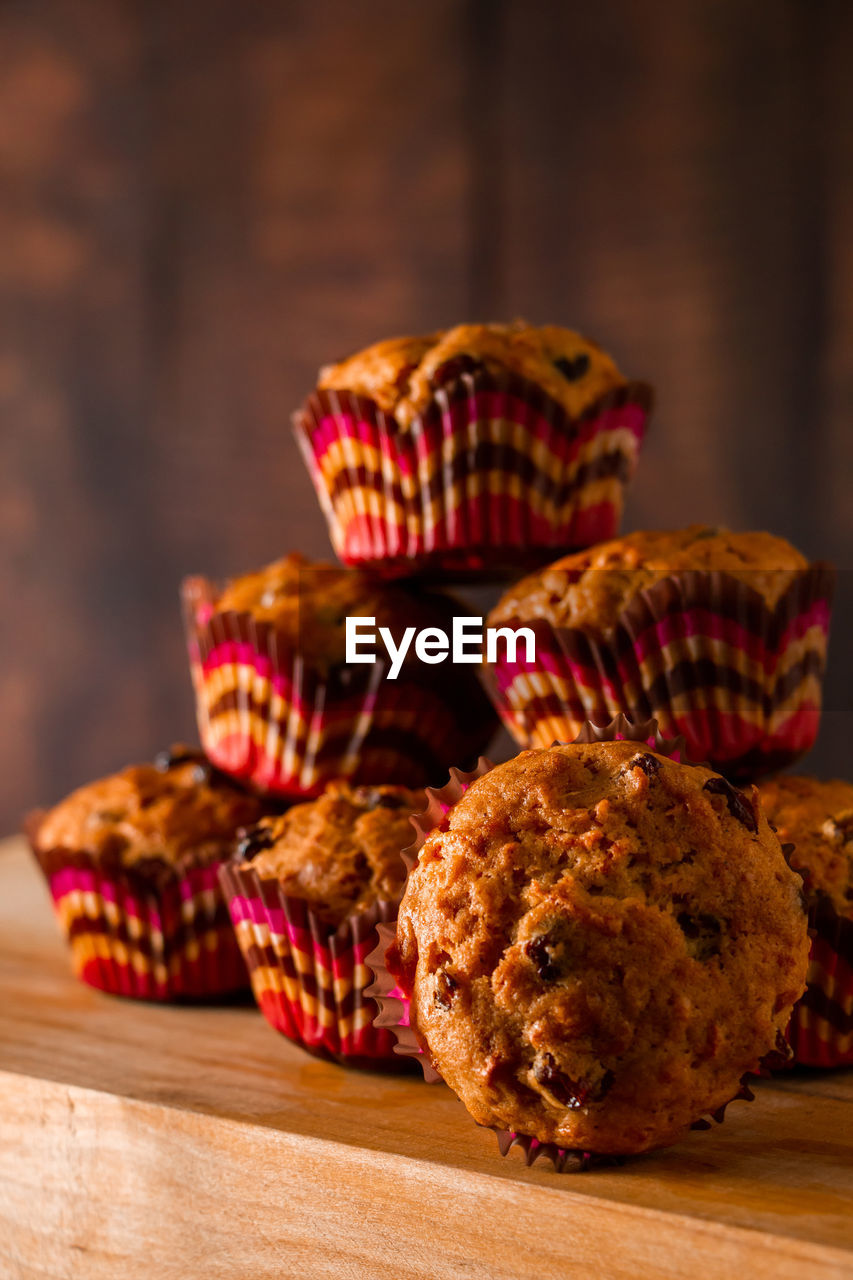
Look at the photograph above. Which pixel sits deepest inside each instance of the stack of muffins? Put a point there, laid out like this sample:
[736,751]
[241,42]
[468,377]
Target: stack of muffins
[592,943]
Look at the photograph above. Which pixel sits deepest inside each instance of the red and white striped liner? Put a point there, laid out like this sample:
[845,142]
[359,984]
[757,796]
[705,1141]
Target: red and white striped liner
[493,473]
[310,979]
[269,718]
[157,936]
[821,1028]
[699,652]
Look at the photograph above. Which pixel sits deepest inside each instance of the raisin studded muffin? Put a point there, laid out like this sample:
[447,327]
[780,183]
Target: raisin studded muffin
[308,602]
[591,589]
[598,944]
[153,820]
[132,865]
[473,449]
[340,853]
[401,374]
[280,708]
[720,636]
[817,817]
[306,893]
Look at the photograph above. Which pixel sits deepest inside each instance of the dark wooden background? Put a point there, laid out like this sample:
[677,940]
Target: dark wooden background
[202,203]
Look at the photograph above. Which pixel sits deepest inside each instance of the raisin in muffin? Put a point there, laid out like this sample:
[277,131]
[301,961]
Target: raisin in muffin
[401,374]
[306,893]
[598,944]
[817,817]
[132,864]
[280,708]
[152,820]
[719,636]
[340,853]
[473,448]
[591,589]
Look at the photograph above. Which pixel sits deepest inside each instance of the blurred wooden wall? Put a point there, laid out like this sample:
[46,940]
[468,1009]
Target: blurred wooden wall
[202,203]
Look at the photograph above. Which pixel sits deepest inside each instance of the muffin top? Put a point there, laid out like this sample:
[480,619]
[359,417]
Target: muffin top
[342,852]
[401,374]
[599,942]
[818,818]
[178,812]
[590,589]
[308,604]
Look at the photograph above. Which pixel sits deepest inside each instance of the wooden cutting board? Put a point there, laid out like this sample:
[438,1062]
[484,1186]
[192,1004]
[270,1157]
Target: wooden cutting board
[138,1140]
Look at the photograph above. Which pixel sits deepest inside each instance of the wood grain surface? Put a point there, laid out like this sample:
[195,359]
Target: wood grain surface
[202,204]
[139,1140]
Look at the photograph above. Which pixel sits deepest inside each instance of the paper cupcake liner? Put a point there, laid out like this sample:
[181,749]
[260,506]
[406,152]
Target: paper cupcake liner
[821,1027]
[310,980]
[698,651]
[164,938]
[267,718]
[393,1001]
[494,473]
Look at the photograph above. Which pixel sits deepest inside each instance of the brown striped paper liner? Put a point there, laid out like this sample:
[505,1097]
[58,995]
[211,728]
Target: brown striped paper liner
[469,487]
[393,1003]
[269,719]
[310,978]
[744,719]
[163,935]
[821,1029]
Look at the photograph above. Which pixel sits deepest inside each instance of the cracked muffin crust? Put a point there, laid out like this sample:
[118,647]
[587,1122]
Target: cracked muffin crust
[178,812]
[401,374]
[598,944]
[308,603]
[818,818]
[342,852]
[591,588]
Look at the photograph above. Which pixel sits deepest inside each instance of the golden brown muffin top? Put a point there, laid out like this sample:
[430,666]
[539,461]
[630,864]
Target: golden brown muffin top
[309,603]
[818,818]
[589,589]
[342,852]
[178,811]
[600,944]
[401,374]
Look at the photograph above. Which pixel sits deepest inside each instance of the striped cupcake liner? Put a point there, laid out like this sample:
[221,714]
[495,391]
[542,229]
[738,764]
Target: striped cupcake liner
[167,937]
[494,474]
[268,719]
[393,1000]
[698,651]
[310,980]
[821,1028]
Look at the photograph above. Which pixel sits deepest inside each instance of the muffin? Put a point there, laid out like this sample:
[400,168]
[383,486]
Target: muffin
[306,891]
[278,706]
[719,636]
[472,448]
[132,861]
[818,818]
[598,943]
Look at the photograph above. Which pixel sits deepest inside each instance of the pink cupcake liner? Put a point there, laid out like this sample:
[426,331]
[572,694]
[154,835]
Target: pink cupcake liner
[494,473]
[821,1028]
[701,653]
[163,936]
[268,718]
[310,979]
